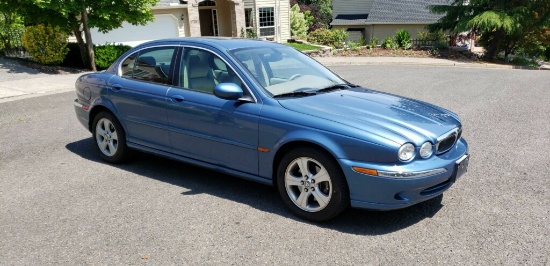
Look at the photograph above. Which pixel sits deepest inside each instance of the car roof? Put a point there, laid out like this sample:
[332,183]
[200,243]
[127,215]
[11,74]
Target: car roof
[224,43]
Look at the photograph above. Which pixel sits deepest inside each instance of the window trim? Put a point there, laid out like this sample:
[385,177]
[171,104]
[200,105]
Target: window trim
[175,84]
[177,50]
[266,27]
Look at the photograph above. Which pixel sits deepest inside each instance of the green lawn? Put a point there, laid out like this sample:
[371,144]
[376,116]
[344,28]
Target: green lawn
[302,46]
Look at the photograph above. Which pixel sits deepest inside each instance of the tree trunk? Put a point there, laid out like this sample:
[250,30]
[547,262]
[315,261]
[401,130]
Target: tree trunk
[494,47]
[81,45]
[88,35]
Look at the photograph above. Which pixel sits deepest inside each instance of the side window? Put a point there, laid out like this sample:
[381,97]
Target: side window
[202,71]
[127,67]
[151,65]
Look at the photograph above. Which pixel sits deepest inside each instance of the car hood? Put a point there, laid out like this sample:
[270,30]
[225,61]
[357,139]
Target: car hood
[393,117]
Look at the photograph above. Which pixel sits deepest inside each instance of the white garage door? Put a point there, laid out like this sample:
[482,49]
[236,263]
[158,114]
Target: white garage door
[164,26]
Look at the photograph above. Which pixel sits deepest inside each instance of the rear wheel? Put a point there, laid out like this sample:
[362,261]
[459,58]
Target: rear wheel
[312,184]
[109,138]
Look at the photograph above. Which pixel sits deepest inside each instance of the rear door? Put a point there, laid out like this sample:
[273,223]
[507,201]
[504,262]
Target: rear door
[139,95]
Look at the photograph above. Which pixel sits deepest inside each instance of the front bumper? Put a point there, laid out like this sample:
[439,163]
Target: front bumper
[388,193]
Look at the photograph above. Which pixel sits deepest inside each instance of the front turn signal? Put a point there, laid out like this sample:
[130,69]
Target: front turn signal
[365,170]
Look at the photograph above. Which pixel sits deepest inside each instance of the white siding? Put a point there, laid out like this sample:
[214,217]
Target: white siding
[284,20]
[282,15]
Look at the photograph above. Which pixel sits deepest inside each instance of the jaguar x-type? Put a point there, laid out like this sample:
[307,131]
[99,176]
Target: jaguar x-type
[268,113]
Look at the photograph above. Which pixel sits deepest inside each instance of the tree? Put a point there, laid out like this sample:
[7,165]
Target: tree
[320,12]
[78,16]
[504,25]
[298,23]
[11,30]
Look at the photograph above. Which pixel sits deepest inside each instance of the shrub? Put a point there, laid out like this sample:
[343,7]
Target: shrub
[46,44]
[432,38]
[320,36]
[547,53]
[362,41]
[403,39]
[389,43]
[298,23]
[106,54]
[334,38]
[339,37]
[251,34]
[373,42]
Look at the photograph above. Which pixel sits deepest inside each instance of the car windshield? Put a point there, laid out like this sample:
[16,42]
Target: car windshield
[285,71]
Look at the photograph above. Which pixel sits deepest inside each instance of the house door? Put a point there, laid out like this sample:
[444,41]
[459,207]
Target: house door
[209,22]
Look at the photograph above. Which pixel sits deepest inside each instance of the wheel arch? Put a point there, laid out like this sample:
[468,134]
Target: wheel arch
[98,109]
[287,147]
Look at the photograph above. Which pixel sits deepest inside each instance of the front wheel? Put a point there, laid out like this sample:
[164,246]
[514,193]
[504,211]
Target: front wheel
[312,184]
[109,138]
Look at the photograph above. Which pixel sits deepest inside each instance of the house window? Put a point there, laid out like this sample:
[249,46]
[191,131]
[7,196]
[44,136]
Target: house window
[207,3]
[249,23]
[267,21]
[249,17]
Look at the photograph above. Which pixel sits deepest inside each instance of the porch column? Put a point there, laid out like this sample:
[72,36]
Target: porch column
[237,18]
[193,18]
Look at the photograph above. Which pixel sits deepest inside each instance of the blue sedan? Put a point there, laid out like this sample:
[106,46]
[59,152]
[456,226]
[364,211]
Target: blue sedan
[268,113]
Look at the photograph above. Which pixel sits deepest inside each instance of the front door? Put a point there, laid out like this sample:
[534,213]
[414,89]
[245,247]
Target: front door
[207,25]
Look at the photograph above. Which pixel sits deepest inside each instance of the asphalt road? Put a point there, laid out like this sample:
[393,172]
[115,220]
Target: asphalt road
[60,205]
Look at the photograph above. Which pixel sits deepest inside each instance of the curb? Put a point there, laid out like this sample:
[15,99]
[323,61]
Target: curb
[441,64]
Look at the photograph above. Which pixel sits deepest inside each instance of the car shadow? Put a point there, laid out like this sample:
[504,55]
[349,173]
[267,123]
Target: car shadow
[197,180]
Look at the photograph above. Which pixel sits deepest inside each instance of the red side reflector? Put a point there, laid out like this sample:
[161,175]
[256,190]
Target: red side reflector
[85,107]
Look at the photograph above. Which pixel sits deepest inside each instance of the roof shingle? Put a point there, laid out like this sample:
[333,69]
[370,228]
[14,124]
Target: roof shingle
[393,12]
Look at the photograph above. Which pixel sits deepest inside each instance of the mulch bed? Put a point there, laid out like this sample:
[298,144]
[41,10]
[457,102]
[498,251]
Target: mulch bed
[452,54]
[45,69]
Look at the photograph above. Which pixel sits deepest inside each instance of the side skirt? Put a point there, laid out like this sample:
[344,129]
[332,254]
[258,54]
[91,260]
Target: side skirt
[209,166]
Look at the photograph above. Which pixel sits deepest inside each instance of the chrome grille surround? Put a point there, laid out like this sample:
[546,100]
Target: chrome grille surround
[446,141]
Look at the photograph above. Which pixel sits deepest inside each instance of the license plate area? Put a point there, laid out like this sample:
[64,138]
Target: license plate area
[461,166]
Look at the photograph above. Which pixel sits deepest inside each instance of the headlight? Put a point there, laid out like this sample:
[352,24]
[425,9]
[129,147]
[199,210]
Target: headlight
[406,152]
[426,150]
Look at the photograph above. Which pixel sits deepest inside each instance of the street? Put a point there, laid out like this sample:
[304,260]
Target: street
[60,204]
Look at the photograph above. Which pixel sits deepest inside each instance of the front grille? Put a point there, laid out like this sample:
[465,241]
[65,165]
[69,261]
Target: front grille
[448,140]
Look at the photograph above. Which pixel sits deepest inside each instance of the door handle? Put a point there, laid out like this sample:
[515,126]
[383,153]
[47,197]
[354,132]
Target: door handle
[178,98]
[116,87]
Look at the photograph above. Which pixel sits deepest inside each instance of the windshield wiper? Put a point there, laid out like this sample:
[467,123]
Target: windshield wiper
[295,94]
[333,87]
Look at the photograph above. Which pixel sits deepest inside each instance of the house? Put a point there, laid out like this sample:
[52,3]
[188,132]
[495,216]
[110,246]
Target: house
[266,19]
[382,18]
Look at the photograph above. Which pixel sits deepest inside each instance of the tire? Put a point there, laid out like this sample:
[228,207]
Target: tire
[319,195]
[110,138]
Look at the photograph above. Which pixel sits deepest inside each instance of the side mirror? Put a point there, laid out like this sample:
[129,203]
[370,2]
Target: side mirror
[228,91]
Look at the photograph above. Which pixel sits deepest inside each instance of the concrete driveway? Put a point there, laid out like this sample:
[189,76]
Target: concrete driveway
[17,81]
